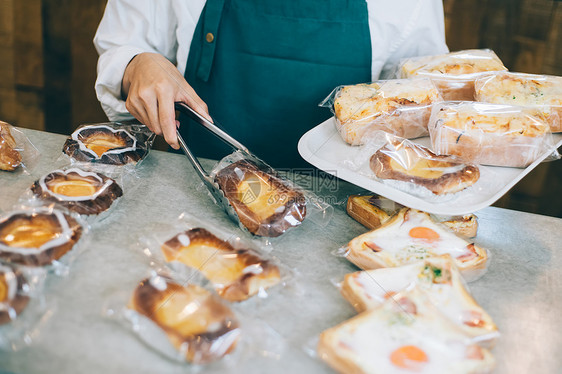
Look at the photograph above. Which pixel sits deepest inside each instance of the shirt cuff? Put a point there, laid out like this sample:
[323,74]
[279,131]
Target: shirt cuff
[111,67]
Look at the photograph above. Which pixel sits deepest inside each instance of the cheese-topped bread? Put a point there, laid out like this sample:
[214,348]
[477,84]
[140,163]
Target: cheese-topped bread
[404,335]
[437,276]
[236,274]
[413,163]
[453,73]
[542,92]
[411,236]
[489,134]
[401,107]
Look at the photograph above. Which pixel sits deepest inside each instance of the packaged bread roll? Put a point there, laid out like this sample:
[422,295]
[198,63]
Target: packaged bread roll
[453,73]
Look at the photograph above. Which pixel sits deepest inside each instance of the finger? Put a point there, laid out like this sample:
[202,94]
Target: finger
[140,114]
[191,98]
[167,117]
[147,99]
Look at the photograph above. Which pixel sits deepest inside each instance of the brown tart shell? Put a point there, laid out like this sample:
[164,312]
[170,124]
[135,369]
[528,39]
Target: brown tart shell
[17,303]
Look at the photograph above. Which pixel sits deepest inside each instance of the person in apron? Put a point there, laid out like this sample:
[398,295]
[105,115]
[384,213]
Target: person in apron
[262,67]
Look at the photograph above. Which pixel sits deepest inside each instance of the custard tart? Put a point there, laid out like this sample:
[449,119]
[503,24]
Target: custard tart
[37,238]
[10,158]
[196,322]
[77,190]
[12,297]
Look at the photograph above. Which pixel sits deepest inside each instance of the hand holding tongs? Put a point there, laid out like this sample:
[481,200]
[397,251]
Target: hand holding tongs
[208,180]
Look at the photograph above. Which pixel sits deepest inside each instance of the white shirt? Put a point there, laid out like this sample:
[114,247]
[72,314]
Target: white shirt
[398,28]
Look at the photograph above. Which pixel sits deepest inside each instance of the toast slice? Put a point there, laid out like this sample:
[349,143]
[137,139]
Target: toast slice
[236,274]
[406,334]
[438,277]
[411,236]
[373,210]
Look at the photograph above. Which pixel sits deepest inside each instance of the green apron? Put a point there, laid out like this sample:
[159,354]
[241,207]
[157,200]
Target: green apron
[262,67]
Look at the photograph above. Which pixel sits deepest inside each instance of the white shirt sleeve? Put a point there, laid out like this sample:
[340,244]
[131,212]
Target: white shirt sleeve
[130,27]
[404,28]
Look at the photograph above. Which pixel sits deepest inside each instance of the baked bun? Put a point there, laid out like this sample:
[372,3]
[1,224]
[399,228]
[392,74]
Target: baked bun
[12,297]
[542,92]
[265,204]
[108,144]
[411,236]
[438,277]
[197,323]
[454,73]
[401,107]
[10,158]
[37,238]
[373,210]
[406,334]
[408,162]
[489,134]
[77,190]
[236,274]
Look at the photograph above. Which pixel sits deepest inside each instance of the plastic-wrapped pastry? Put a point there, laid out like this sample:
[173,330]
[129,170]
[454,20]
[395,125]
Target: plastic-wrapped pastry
[265,204]
[405,334]
[10,158]
[236,274]
[373,210]
[77,190]
[453,73]
[12,300]
[413,163]
[197,323]
[37,238]
[542,92]
[400,106]
[438,277]
[411,236]
[489,134]
[109,143]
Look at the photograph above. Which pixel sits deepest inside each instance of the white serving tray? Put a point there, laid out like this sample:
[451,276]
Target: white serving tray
[323,147]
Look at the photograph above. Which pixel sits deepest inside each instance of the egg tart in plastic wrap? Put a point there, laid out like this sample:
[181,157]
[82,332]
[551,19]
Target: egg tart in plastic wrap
[453,73]
[79,191]
[112,143]
[416,169]
[13,297]
[10,158]
[38,237]
[266,204]
[199,325]
[235,273]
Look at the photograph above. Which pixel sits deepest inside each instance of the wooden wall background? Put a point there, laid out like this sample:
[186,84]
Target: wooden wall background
[48,66]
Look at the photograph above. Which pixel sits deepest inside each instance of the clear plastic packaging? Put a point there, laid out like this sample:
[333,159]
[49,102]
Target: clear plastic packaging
[411,236]
[111,143]
[374,210]
[438,278]
[540,92]
[453,73]
[413,168]
[265,203]
[87,193]
[16,151]
[41,236]
[23,307]
[236,268]
[405,334]
[187,322]
[489,134]
[400,106]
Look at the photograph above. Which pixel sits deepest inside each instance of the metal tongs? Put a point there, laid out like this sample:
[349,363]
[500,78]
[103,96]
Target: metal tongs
[209,182]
